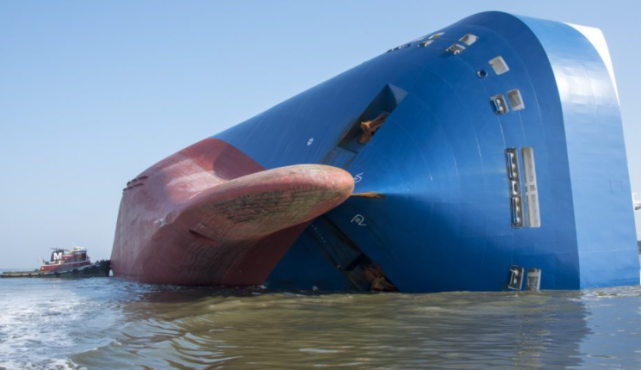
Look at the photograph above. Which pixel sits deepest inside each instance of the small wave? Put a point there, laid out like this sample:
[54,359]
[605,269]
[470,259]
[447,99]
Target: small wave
[113,324]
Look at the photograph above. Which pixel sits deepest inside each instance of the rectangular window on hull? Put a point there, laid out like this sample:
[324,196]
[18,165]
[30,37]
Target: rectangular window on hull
[516,101]
[469,39]
[499,66]
[531,188]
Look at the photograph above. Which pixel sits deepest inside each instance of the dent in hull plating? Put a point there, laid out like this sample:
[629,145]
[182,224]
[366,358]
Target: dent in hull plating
[493,145]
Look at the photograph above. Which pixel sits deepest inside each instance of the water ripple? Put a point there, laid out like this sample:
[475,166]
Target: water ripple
[109,324]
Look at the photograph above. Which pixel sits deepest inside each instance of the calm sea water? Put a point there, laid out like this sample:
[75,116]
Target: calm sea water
[106,323]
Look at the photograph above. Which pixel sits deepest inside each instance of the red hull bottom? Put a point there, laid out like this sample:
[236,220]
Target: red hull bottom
[209,215]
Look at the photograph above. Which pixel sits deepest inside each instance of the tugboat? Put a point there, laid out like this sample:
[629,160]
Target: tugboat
[66,263]
[62,259]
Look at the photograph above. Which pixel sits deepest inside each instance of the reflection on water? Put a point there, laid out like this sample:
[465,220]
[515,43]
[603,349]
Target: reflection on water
[109,324]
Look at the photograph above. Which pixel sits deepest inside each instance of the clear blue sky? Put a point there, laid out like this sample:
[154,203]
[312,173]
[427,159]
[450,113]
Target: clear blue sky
[94,92]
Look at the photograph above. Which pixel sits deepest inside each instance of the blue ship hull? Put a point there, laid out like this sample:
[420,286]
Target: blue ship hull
[446,201]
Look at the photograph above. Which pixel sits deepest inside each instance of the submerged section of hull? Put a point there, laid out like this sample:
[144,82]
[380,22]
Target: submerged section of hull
[500,154]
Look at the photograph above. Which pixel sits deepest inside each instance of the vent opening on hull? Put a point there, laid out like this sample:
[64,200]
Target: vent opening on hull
[456,49]
[400,47]
[516,277]
[469,39]
[531,188]
[533,279]
[516,204]
[500,105]
[516,100]
[364,128]
[531,205]
[499,66]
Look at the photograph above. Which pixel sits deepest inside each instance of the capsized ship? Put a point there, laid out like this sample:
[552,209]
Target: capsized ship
[478,157]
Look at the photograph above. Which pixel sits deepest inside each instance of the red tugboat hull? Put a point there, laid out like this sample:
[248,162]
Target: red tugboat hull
[210,215]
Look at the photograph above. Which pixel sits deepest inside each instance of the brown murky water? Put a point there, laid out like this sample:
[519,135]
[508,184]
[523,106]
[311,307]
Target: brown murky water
[112,324]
